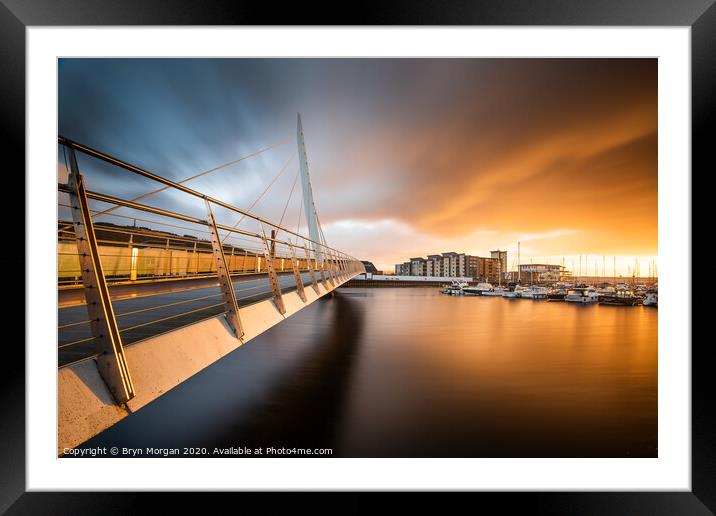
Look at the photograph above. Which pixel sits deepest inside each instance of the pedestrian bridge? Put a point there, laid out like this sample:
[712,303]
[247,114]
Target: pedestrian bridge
[150,295]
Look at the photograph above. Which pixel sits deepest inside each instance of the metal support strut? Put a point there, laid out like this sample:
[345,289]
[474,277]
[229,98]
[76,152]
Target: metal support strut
[111,362]
[325,264]
[297,274]
[222,272]
[273,280]
[332,268]
[314,283]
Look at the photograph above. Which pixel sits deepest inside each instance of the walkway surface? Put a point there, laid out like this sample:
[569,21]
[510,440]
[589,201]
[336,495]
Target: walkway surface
[146,310]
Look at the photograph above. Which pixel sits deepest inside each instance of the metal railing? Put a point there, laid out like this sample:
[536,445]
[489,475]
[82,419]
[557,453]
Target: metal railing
[94,256]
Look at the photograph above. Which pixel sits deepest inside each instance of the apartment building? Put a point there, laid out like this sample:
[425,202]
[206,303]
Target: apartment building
[452,264]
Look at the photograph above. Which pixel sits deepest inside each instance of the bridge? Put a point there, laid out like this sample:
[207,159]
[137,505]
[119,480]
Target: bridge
[143,307]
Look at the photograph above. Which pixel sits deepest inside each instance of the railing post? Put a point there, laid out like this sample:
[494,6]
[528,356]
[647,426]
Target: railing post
[297,274]
[111,361]
[326,268]
[314,283]
[332,268]
[222,271]
[273,280]
[336,267]
[342,265]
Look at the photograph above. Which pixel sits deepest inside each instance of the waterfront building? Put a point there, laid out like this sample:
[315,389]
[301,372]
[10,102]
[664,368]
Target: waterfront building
[434,265]
[501,257]
[483,269]
[452,264]
[418,266]
[541,272]
[402,269]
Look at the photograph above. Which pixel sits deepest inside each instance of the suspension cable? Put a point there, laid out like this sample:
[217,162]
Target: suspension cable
[241,219]
[295,180]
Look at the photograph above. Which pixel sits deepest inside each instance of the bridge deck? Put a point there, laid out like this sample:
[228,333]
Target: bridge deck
[150,309]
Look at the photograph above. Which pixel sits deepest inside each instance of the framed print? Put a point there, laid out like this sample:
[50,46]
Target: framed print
[420,253]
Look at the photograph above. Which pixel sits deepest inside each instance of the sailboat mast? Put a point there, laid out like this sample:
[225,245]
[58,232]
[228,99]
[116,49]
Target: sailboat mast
[519,269]
[614,269]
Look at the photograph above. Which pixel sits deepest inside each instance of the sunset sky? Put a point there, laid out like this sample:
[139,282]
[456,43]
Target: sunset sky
[408,157]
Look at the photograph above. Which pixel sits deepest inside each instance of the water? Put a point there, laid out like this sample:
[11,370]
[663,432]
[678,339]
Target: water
[408,372]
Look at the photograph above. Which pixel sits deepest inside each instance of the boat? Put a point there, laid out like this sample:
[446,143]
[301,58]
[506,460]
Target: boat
[621,297]
[523,292]
[455,288]
[606,291]
[556,294]
[478,290]
[651,299]
[499,291]
[540,292]
[581,295]
[534,293]
[511,294]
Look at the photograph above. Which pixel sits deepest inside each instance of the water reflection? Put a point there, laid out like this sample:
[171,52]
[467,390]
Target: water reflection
[411,373]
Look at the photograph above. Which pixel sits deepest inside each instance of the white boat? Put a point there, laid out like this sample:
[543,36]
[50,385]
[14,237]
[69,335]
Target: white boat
[651,299]
[581,295]
[494,292]
[606,291]
[520,290]
[478,290]
[620,297]
[534,293]
[557,294]
[511,294]
[455,288]
[524,292]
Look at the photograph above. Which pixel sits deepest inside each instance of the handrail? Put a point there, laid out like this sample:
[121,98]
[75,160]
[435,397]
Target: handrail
[167,213]
[167,182]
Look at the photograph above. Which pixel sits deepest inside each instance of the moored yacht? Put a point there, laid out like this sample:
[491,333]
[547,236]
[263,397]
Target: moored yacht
[556,294]
[581,295]
[511,294]
[534,293]
[651,299]
[455,288]
[478,290]
[606,291]
[621,297]
[520,290]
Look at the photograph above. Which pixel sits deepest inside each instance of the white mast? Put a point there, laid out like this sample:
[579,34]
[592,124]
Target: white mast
[519,269]
[309,207]
[614,270]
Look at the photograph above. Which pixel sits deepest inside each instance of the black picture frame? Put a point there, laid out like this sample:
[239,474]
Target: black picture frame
[16,15]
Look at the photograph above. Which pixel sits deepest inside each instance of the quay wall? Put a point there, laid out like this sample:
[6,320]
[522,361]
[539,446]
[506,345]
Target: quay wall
[380,280]
[393,283]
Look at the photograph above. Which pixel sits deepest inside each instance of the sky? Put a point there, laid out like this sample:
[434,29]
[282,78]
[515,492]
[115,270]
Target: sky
[407,157]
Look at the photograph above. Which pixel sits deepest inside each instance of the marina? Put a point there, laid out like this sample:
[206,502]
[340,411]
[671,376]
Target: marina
[621,295]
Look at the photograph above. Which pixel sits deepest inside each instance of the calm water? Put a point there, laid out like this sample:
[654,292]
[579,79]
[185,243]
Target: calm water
[412,373]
